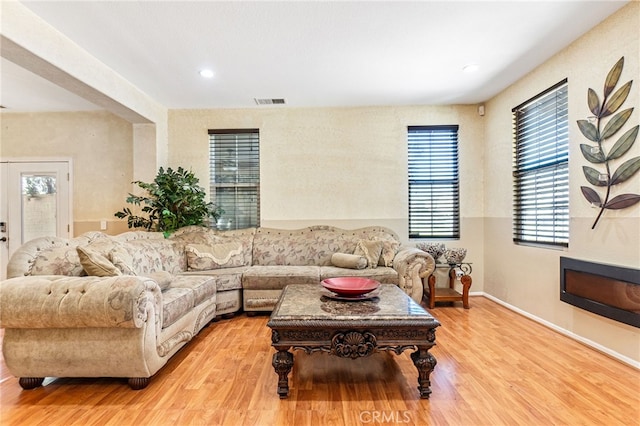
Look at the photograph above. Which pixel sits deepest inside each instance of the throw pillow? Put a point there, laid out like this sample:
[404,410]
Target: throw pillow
[122,259]
[57,261]
[389,250]
[201,257]
[95,263]
[351,261]
[163,278]
[371,250]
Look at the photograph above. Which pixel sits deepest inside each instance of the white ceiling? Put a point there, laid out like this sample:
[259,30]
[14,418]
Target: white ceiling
[313,53]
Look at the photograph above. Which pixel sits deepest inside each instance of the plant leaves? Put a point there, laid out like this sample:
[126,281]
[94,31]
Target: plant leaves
[591,195]
[623,144]
[593,176]
[174,199]
[613,77]
[588,130]
[594,102]
[616,101]
[625,171]
[622,201]
[597,158]
[616,122]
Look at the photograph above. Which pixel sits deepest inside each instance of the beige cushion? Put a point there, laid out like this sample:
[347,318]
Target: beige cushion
[176,302]
[389,250]
[105,254]
[122,259]
[163,278]
[276,277]
[203,286]
[95,263]
[351,261]
[57,261]
[371,250]
[202,257]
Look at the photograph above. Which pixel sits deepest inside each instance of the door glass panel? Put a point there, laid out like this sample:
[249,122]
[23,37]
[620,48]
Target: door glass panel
[39,206]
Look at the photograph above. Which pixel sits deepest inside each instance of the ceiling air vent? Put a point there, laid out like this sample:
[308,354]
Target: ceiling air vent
[274,101]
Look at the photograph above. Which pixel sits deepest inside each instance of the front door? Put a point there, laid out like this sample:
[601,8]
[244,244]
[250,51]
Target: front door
[34,202]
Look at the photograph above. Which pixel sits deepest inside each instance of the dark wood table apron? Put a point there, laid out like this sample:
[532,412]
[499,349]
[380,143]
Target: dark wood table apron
[305,318]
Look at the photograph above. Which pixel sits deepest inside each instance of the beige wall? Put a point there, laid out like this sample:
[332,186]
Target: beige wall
[345,167]
[528,277]
[36,46]
[100,145]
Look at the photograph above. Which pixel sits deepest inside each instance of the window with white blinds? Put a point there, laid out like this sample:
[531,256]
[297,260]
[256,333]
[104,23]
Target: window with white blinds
[541,168]
[234,162]
[434,204]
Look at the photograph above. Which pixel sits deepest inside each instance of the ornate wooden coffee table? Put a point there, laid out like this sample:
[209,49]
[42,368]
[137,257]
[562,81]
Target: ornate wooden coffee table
[305,318]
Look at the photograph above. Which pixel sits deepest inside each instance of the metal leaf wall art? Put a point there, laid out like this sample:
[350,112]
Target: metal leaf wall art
[597,154]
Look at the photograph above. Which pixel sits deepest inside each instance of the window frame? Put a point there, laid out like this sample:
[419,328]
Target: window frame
[541,168]
[241,183]
[429,153]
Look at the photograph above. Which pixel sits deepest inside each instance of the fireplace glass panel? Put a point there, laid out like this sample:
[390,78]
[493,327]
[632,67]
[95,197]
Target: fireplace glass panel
[608,290]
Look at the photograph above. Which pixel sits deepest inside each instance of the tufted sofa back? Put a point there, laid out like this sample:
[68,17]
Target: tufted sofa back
[208,236]
[311,246]
[148,252]
[50,256]
[145,252]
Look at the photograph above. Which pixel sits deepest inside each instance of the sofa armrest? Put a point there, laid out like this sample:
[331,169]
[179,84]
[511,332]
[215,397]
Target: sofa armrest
[76,302]
[413,265]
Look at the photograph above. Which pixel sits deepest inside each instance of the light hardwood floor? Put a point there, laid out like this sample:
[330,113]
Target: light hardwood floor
[495,367]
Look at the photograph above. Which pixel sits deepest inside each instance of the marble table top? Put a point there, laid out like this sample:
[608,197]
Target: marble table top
[309,302]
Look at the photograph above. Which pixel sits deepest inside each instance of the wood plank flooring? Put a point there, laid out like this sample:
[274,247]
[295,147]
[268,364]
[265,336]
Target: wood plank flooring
[495,367]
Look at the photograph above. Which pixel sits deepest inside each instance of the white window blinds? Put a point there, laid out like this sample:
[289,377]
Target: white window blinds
[234,162]
[541,168]
[434,205]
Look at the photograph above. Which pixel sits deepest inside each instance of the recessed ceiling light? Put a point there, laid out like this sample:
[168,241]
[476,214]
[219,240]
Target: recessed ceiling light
[469,68]
[206,73]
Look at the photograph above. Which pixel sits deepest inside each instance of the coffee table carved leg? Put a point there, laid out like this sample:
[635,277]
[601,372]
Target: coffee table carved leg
[425,363]
[282,364]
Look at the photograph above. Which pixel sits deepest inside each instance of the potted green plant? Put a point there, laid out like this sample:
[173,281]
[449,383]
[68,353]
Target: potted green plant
[174,199]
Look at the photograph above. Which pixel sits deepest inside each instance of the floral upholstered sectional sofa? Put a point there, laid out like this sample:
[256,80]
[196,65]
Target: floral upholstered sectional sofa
[122,306]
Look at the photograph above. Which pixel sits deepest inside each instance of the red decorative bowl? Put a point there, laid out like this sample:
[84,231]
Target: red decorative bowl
[350,286]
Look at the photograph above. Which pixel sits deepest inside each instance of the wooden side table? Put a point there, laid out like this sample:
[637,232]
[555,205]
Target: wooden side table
[449,294]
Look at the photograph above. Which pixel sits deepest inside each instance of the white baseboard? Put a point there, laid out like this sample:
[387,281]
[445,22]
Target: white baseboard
[624,359]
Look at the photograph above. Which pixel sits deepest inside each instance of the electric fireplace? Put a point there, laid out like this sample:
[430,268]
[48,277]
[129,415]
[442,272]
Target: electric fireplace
[607,290]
